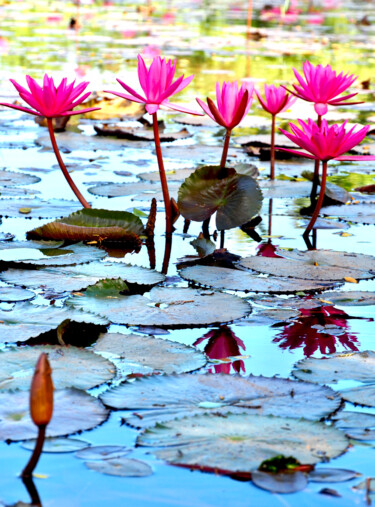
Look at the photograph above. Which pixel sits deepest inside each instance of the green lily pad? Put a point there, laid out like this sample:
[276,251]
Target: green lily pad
[57,445]
[71,367]
[169,307]
[11,178]
[99,452]
[236,198]
[27,321]
[93,225]
[288,482]
[121,467]
[54,208]
[75,278]
[37,255]
[12,294]
[240,442]
[159,355]
[73,411]
[182,395]
[233,279]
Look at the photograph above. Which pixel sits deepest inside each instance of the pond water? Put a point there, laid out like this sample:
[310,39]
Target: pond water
[214,41]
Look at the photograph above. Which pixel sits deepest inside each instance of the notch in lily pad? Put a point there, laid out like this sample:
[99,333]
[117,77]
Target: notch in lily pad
[236,198]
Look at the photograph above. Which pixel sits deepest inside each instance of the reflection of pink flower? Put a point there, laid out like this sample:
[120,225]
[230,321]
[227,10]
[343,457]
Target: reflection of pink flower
[223,343]
[151,52]
[307,331]
[169,18]
[55,18]
[267,250]
[4,45]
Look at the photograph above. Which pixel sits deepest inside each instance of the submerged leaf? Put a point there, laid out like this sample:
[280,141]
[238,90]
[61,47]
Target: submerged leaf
[121,467]
[287,482]
[235,197]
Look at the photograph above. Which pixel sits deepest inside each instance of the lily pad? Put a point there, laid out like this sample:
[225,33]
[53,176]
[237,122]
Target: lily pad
[182,395]
[169,307]
[144,189]
[27,321]
[332,475]
[233,279]
[73,411]
[113,107]
[202,153]
[37,255]
[76,278]
[11,178]
[141,133]
[357,425]
[177,175]
[93,225]
[240,442]
[288,482]
[236,197]
[121,467]
[54,208]
[71,367]
[351,298]
[314,265]
[12,294]
[159,355]
[58,445]
[99,452]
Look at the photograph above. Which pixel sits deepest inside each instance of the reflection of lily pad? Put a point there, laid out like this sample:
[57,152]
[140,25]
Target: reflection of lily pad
[182,395]
[75,278]
[35,255]
[240,442]
[121,467]
[12,294]
[93,225]
[159,355]
[233,279]
[236,197]
[166,307]
[73,411]
[27,321]
[313,265]
[71,367]
[54,208]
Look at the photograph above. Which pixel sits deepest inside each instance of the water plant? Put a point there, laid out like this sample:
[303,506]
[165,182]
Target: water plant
[51,102]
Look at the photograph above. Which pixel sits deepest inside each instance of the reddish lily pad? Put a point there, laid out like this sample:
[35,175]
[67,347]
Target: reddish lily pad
[73,411]
[181,395]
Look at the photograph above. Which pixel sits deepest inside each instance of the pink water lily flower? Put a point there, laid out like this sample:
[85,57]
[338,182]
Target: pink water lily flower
[322,86]
[276,99]
[233,104]
[326,142]
[157,85]
[50,101]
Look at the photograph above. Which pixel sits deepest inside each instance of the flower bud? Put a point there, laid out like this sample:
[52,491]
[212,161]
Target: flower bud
[41,392]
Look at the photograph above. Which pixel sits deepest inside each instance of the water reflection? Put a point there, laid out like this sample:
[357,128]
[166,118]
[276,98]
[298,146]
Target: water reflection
[223,343]
[321,328]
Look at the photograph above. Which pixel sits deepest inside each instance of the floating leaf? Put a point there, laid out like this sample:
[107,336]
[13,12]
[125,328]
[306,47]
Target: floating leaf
[93,225]
[236,197]
[288,482]
[40,255]
[351,298]
[12,294]
[58,445]
[11,178]
[71,366]
[73,411]
[99,452]
[181,395]
[54,208]
[177,175]
[159,355]
[357,425]
[27,321]
[113,107]
[332,475]
[121,467]
[233,279]
[140,133]
[166,307]
[239,442]
[78,278]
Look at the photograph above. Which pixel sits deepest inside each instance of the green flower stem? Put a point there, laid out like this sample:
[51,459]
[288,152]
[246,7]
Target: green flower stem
[68,178]
[316,170]
[163,178]
[33,461]
[272,165]
[320,200]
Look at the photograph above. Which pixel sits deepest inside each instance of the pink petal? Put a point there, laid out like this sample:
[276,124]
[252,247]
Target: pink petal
[131,91]
[296,152]
[19,108]
[355,157]
[177,107]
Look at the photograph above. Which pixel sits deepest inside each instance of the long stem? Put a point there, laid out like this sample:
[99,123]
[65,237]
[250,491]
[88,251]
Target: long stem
[319,202]
[272,167]
[29,468]
[33,492]
[316,170]
[225,149]
[163,178]
[68,178]
[167,253]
